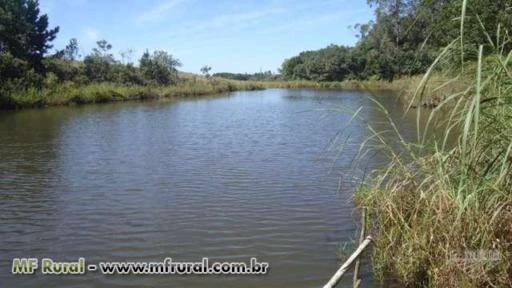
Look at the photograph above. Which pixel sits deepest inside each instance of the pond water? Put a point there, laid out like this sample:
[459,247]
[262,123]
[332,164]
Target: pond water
[247,174]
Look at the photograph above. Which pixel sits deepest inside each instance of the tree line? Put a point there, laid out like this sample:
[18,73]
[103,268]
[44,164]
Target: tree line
[405,38]
[259,76]
[26,59]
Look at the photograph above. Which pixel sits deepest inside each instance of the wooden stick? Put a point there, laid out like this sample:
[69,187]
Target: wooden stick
[337,276]
[357,281]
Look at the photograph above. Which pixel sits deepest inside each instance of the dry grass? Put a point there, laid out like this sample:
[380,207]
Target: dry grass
[348,84]
[72,93]
[441,211]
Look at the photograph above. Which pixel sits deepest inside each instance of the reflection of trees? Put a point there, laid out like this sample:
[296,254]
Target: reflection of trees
[28,148]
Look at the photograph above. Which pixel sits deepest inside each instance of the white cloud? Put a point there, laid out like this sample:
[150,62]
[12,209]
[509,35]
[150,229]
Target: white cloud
[305,23]
[158,12]
[278,16]
[220,22]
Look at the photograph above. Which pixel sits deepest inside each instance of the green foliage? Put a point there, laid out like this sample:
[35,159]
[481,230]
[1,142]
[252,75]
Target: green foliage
[63,69]
[260,76]
[103,50]
[24,33]
[12,67]
[233,76]
[99,64]
[205,70]
[97,69]
[56,92]
[70,52]
[333,63]
[450,192]
[405,38]
[15,72]
[24,39]
[160,67]
[128,74]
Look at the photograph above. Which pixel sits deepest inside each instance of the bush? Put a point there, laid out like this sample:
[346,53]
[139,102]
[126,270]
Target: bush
[98,69]
[12,67]
[160,67]
[127,74]
[65,70]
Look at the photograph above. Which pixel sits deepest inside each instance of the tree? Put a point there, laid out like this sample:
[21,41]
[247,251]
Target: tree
[160,67]
[12,67]
[24,33]
[103,50]
[404,39]
[206,70]
[71,50]
[333,63]
[126,56]
[98,65]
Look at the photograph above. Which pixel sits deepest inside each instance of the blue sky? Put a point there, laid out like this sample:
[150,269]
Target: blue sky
[228,35]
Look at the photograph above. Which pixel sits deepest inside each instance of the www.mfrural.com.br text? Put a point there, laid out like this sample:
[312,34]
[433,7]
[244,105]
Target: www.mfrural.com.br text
[48,266]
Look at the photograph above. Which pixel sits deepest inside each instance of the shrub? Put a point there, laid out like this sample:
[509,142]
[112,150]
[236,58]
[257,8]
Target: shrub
[65,70]
[97,68]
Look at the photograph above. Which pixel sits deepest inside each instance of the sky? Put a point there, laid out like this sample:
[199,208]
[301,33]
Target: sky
[239,36]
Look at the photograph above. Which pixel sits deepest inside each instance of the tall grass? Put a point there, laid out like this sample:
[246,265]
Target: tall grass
[71,93]
[192,85]
[442,214]
[398,85]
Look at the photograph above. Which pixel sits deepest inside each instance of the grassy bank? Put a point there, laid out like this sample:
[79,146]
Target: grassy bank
[434,91]
[349,84]
[71,93]
[441,209]
[54,94]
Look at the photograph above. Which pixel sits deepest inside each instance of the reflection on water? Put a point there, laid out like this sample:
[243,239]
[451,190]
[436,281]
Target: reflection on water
[230,178]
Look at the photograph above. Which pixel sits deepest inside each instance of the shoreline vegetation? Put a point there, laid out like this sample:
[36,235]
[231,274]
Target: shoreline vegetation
[70,93]
[391,52]
[440,209]
[94,93]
